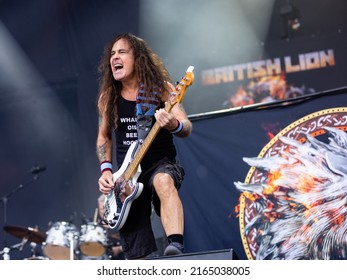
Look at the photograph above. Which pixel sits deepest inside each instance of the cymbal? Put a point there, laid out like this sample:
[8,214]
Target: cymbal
[31,234]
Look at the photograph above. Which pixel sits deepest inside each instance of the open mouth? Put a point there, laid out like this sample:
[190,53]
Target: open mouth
[118,67]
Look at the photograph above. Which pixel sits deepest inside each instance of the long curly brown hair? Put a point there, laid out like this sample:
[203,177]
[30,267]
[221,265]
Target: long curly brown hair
[149,68]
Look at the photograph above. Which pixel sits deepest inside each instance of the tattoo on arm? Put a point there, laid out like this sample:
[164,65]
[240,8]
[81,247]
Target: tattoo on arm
[101,152]
[186,128]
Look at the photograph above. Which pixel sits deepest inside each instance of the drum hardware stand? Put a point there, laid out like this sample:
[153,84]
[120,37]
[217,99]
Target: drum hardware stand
[35,170]
[33,246]
[96,213]
[71,246]
[6,251]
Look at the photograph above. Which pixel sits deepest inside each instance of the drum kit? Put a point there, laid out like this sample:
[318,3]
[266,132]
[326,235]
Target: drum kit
[62,241]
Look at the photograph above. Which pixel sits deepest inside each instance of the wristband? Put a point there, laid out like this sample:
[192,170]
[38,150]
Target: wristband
[178,128]
[106,165]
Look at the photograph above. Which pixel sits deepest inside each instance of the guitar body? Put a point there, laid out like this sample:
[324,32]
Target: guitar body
[118,202]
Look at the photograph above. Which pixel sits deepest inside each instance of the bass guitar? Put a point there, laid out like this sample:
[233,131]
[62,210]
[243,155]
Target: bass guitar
[118,202]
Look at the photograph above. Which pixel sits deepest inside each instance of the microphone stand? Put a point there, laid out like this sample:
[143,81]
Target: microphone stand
[4,200]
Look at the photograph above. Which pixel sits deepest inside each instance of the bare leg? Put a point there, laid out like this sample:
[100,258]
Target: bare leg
[171,209]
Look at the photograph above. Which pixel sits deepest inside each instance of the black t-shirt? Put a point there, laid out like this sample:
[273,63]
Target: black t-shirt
[126,133]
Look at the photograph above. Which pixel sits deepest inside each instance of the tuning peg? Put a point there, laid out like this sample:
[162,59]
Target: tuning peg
[190,69]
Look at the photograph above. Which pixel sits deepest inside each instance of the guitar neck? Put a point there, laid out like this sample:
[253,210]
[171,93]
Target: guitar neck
[140,153]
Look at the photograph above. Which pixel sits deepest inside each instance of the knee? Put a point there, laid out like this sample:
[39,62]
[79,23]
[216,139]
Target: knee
[164,185]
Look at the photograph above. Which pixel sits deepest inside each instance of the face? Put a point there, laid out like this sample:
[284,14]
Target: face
[122,61]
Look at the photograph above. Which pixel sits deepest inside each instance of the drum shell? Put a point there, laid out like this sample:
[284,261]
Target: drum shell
[62,237]
[92,240]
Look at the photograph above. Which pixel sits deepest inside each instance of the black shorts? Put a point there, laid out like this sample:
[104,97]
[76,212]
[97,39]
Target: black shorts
[175,171]
[137,236]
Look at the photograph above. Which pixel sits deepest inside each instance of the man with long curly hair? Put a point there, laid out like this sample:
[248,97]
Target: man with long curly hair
[134,86]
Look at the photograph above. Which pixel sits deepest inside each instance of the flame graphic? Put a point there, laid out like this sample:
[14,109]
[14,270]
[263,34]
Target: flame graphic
[265,89]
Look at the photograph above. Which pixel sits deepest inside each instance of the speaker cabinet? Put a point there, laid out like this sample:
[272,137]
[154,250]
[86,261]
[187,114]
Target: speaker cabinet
[227,254]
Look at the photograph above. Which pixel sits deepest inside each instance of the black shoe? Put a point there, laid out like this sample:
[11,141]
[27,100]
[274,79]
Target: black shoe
[173,248]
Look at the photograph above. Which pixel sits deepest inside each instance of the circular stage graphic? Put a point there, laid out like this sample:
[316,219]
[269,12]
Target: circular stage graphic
[293,201]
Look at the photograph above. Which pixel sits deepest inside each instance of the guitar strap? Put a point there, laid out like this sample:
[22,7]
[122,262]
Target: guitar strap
[144,124]
[145,108]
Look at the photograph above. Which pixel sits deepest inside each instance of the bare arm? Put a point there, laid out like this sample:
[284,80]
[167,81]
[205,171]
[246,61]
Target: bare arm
[104,151]
[104,141]
[179,113]
[168,120]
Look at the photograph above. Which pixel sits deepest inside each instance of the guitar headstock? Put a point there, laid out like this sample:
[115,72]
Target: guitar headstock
[181,87]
